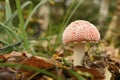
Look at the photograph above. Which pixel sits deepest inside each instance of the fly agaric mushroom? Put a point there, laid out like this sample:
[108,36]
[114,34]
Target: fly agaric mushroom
[79,32]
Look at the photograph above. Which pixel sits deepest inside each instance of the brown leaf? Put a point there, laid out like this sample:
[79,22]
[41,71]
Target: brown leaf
[93,71]
[37,62]
[2,58]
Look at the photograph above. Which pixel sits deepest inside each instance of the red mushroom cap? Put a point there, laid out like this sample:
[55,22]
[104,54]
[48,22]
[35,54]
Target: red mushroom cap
[79,31]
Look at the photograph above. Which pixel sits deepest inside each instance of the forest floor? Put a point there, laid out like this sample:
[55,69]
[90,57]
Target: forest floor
[94,67]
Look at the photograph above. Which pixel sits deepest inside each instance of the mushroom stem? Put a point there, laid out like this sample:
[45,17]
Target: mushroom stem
[78,54]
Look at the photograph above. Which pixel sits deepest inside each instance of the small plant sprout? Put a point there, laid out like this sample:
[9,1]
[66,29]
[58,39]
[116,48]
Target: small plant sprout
[78,33]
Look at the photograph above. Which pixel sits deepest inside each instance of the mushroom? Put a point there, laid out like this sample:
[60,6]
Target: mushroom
[77,33]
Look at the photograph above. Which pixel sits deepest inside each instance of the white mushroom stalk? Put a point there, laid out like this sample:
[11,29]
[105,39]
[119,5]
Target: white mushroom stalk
[78,54]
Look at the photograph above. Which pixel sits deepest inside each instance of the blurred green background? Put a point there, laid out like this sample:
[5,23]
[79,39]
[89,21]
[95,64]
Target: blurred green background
[41,35]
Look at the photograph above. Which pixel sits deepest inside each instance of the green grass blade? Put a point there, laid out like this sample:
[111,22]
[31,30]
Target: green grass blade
[10,19]
[32,12]
[9,29]
[30,78]
[76,75]
[11,45]
[4,42]
[70,15]
[16,12]
[20,15]
[30,68]
[21,29]
[8,12]
[73,12]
